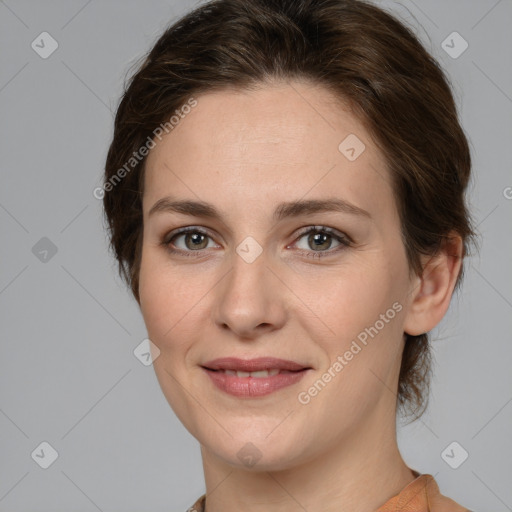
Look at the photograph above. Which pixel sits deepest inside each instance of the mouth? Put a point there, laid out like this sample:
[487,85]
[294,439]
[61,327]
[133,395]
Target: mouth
[259,364]
[253,377]
[259,374]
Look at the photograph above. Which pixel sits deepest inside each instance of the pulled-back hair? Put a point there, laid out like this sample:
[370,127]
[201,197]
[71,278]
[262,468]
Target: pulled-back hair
[367,58]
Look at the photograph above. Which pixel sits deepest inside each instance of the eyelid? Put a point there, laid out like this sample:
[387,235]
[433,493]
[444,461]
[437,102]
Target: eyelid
[324,229]
[166,241]
[188,229]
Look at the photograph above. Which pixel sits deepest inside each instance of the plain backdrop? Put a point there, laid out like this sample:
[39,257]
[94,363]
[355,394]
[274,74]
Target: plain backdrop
[68,373]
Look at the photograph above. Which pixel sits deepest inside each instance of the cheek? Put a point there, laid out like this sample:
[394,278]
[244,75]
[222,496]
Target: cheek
[358,315]
[160,301]
[172,301]
[348,298]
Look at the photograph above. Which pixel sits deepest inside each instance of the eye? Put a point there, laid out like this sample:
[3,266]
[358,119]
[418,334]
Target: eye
[193,240]
[319,240]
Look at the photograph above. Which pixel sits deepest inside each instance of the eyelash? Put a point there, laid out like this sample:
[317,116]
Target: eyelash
[344,240]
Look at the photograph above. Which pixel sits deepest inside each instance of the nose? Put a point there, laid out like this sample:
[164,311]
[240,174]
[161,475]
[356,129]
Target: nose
[250,300]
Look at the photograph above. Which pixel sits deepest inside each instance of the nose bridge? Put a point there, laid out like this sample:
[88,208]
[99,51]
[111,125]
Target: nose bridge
[249,299]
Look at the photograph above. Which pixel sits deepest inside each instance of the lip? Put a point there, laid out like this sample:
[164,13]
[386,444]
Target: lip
[253,365]
[251,387]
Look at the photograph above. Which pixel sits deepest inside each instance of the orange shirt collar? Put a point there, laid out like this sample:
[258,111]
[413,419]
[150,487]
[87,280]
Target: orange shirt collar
[421,495]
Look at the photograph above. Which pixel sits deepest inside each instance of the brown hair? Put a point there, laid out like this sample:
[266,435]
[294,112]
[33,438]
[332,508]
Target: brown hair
[362,54]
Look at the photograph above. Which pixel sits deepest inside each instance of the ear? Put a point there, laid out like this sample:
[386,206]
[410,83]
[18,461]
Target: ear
[430,293]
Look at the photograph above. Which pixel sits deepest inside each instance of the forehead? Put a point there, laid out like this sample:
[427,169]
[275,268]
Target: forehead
[277,142]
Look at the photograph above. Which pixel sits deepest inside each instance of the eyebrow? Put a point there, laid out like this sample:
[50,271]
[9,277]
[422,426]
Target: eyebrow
[282,210]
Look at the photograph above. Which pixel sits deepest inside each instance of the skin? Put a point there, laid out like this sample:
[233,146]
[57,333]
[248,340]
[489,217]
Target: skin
[244,152]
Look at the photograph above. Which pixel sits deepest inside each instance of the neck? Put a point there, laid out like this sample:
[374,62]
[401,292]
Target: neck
[360,474]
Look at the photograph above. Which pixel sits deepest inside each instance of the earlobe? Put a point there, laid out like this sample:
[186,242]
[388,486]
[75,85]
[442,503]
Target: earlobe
[431,293]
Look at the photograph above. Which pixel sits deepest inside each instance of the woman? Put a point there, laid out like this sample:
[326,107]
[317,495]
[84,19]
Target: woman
[285,197]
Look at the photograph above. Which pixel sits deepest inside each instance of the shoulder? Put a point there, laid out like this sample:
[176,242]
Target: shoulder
[422,495]
[436,501]
[198,506]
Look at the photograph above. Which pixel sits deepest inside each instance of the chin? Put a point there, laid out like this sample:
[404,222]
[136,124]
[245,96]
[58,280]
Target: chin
[259,454]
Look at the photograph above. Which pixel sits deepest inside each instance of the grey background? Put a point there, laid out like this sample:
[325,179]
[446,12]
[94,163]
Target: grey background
[68,374]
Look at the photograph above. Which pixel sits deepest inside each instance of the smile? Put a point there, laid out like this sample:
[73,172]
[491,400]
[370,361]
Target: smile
[253,384]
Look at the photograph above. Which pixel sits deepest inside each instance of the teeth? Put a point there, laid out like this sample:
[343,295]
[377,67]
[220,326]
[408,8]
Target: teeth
[260,373]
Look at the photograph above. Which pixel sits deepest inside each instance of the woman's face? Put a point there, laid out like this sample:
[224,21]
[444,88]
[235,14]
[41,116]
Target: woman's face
[327,289]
